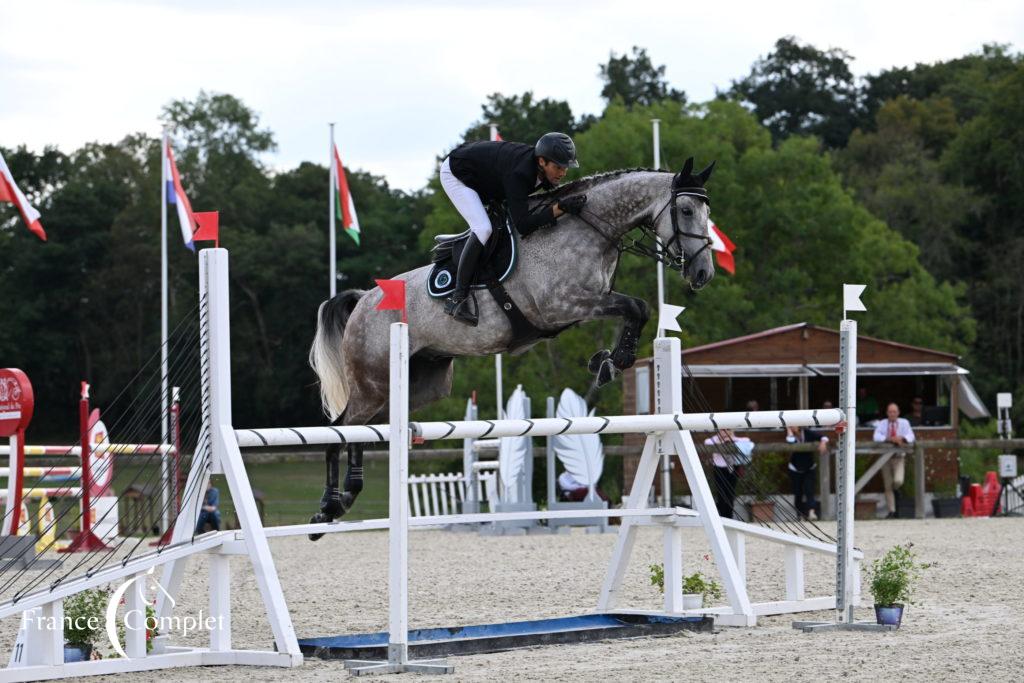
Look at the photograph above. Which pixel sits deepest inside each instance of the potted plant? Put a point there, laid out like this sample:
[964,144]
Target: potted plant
[84,623]
[700,588]
[892,577]
[697,588]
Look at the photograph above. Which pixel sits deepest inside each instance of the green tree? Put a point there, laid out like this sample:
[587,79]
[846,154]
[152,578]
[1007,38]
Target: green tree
[522,118]
[986,157]
[896,174]
[798,89]
[634,80]
[965,81]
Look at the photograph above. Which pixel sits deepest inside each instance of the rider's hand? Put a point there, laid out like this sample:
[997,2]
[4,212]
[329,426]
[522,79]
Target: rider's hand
[573,205]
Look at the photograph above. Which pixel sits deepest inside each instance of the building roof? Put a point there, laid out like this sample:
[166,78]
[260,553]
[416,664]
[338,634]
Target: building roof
[806,344]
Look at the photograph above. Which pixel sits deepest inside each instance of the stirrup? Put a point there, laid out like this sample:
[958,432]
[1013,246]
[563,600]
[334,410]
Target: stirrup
[463,308]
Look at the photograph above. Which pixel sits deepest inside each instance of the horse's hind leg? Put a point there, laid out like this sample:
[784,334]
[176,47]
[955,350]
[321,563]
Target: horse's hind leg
[331,506]
[337,500]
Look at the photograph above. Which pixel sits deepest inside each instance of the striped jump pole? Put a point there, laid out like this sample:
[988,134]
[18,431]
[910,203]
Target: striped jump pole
[480,429]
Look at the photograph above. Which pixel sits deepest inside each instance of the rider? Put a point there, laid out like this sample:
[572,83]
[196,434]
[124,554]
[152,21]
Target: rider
[476,173]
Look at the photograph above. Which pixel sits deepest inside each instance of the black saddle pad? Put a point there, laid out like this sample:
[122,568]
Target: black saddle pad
[497,263]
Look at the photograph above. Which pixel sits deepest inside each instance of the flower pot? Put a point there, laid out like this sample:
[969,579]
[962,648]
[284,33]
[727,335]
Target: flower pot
[77,653]
[889,615]
[865,509]
[761,510]
[946,507]
[693,600]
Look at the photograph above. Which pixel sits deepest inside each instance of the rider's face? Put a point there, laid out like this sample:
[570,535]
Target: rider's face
[551,171]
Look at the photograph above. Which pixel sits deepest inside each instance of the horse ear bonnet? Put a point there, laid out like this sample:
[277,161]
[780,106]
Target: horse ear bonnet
[688,183]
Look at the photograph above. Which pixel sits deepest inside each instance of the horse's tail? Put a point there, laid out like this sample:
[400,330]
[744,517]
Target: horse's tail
[326,357]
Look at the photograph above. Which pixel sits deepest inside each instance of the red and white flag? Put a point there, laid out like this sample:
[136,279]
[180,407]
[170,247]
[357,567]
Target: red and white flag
[723,248]
[343,204]
[9,192]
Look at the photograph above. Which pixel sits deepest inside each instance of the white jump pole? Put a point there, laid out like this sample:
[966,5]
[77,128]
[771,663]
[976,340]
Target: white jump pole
[666,460]
[493,429]
[398,525]
[499,412]
[846,575]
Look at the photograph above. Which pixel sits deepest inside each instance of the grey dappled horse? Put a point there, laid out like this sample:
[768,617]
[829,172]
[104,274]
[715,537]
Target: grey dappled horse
[564,276]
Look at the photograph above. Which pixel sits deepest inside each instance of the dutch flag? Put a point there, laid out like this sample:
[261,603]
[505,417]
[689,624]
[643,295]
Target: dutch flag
[176,195]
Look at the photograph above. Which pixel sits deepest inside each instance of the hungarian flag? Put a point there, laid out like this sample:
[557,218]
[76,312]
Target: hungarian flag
[176,196]
[343,204]
[10,193]
[723,248]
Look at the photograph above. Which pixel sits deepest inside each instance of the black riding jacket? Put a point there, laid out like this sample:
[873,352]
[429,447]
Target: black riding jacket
[503,171]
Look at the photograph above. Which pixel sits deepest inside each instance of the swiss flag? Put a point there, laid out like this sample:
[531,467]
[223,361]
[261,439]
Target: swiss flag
[723,248]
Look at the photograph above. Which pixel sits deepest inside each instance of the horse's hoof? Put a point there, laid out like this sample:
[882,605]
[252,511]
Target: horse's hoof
[332,505]
[597,360]
[606,373]
[318,518]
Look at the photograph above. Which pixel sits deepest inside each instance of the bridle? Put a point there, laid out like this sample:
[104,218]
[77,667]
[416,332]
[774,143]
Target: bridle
[648,231]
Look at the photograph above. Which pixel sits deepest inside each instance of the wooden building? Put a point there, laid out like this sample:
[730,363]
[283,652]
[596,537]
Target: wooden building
[797,367]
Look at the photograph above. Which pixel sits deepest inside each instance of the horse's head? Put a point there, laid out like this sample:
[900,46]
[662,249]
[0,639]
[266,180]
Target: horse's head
[683,225]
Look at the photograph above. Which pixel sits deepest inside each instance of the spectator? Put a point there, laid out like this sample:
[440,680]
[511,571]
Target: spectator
[803,467]
[209,513]
[916,417]
[753,406]
[867,407]
[895,430]
[728,463]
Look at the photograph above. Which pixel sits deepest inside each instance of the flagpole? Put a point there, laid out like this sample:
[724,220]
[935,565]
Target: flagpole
[498,390]
[164,432]
[656,131]
[331,212]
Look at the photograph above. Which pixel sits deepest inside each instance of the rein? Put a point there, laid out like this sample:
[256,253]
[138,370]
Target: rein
[648,231]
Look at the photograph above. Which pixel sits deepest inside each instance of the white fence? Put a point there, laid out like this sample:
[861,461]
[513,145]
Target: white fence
[431,495]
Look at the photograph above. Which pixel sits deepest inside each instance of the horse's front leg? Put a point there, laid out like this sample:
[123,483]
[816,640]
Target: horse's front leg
[635,314]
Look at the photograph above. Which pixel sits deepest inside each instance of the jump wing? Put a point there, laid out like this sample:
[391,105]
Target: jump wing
[513,450]
[582,455]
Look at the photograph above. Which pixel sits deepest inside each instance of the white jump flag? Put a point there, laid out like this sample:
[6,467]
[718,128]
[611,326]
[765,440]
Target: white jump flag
[667,317]
[851,298]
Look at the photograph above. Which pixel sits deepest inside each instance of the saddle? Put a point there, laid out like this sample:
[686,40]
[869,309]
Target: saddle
[497,263]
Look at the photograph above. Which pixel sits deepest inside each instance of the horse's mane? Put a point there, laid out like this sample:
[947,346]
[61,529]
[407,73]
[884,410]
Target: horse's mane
[588,182]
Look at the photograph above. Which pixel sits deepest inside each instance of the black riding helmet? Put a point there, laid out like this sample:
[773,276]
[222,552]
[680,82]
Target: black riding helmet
[557,147]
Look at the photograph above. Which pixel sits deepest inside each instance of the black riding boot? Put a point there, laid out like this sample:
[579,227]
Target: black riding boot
[460,304]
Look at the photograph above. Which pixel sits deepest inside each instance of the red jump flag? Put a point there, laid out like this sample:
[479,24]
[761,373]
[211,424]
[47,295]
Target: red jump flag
[207,227]
[394,297]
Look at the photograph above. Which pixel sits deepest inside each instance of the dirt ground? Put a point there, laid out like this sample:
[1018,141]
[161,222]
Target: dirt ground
[967,624]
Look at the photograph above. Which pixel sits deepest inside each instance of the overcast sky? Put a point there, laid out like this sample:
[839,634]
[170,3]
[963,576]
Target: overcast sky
[402,80]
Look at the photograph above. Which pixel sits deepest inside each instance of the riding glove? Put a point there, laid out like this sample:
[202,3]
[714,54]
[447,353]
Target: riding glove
[573,205]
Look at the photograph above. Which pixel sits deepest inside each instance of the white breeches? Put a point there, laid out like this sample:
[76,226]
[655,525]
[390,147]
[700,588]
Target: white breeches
[467,202]
[892,478]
